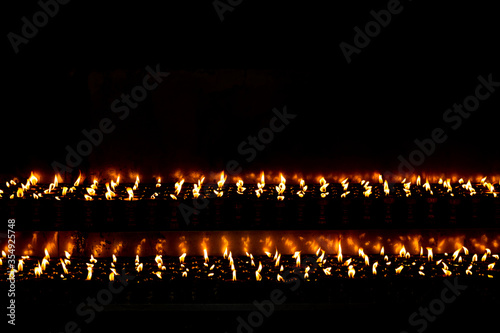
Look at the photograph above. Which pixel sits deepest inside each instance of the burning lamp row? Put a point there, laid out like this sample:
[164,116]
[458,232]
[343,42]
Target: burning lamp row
[269,266]
[113,190]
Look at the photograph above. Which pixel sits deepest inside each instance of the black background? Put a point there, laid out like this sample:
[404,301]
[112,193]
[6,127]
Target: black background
[226,77]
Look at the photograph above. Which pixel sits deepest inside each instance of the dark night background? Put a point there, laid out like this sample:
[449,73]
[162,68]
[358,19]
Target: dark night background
[226,77]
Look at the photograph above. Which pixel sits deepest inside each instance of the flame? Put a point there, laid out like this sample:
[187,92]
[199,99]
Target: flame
[139,267]
[280,189]
[109,194]
[386,188]
[20,193]
[130,192]
[345,184]
[474,257]
[87,197]
[279,278]
[77,182]
[205,255]
[351,272]
[64,267]
[374,268]
[89,269]
[320,259]
[20,265]
[184,274]
[278,260]
[136,184]
[418,181]
[296,256]
[429,254]
[339,255]
[111,276]
[382,251]
[260,186]
[181,258]
[380,179]
[225,253]
[399,269]
[38,270]
[159,261]
[178,187]
[92,259]
[303,189]
[491,266]
[327,271]
[427,187]
[402,253]
[67,254]
[33,180]
[158,184]
[220,183]
[47,256]
[240,189]
[306,272]
[455,254]
[323,184]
